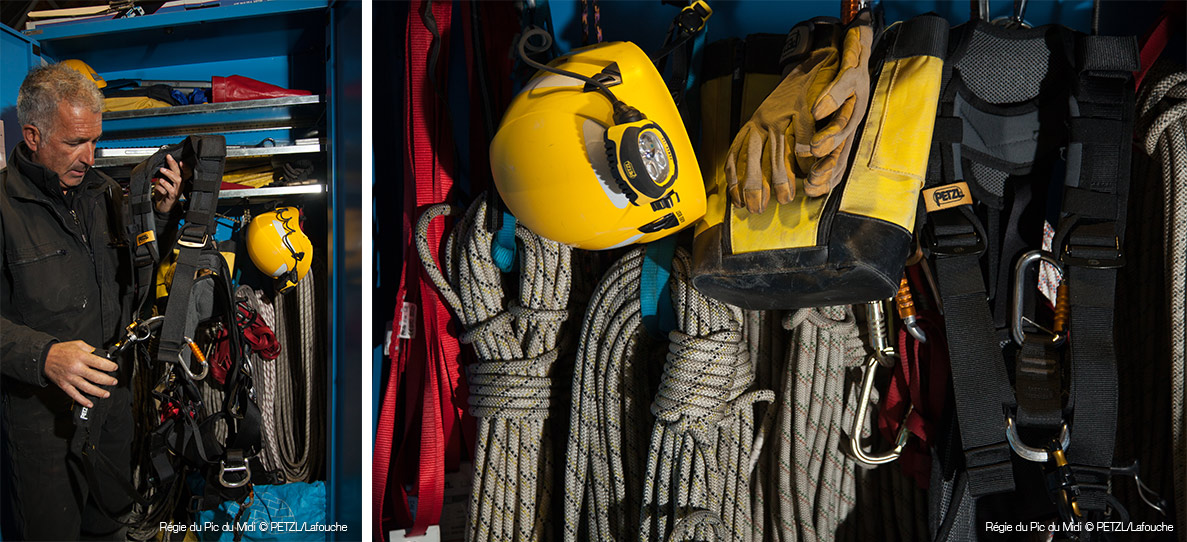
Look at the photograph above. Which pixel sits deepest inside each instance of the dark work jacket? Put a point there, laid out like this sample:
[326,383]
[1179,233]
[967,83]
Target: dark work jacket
[66,272]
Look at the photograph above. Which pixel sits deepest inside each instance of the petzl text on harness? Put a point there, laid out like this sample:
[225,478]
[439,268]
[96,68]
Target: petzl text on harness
[849,246]
[1033,126]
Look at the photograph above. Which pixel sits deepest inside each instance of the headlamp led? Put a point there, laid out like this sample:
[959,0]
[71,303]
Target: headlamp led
[641,156]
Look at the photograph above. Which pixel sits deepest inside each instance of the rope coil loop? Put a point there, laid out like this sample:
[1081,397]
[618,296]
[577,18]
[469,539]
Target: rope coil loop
[511,386]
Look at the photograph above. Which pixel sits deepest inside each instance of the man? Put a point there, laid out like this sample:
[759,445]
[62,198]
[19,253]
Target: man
[65,284]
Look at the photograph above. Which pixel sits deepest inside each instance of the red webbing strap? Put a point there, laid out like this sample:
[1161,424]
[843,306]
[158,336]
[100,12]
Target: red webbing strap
[1169,22]
[428,361]
[921,379]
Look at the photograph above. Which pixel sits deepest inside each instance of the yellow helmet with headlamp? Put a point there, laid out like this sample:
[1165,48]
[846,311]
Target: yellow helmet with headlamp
[577,165]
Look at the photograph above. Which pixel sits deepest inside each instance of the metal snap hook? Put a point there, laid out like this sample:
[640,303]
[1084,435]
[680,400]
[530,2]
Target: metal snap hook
[1019,296]
[900,441]
[197,352]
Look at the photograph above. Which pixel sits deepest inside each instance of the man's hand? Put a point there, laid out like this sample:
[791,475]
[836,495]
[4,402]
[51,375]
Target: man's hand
[168,185]
[76,370]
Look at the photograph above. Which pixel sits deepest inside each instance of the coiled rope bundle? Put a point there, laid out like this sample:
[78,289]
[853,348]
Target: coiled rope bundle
[511,386]
[609,416]
[1152,303]
[298,404]
[702,452]
[265,377]
[815,480]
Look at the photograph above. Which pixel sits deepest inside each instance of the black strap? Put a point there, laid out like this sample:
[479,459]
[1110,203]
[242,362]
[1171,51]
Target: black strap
[209,156]
[979,381]
[1089,239]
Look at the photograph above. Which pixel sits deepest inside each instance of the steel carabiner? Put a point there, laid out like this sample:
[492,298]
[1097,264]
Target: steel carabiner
[1019,296]
[197,352]
[884,355]
[900,440]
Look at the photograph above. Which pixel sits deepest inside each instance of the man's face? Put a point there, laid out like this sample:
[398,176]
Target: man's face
[69,147]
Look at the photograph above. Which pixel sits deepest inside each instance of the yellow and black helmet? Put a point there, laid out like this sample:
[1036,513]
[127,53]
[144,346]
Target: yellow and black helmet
[577,165]
[279,248]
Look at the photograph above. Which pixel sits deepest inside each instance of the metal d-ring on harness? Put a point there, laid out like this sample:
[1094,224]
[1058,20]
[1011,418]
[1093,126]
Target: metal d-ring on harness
[885,356]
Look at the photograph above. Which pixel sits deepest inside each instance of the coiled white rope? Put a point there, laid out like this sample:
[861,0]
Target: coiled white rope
[264,379]
[1165,141]
[298,404]
[815,479]
[609,417]
[511,386]
[702,451]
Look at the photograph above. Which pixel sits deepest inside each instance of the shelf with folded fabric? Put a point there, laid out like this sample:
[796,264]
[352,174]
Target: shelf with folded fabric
[286,101]
[125,156]
[244,123]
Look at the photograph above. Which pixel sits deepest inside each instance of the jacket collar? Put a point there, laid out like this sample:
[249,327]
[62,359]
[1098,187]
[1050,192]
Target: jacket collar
[37,182]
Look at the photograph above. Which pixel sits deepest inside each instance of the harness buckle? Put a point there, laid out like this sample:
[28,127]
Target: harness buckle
[950,233]
[1093,256]
[190,238]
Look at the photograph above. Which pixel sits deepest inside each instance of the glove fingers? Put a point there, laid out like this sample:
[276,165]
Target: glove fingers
[838,129]
[827,172]
[737,155]
[754,191]
[781,172]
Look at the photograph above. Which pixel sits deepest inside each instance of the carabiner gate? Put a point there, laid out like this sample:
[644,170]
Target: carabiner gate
[884,354]
[1018,298]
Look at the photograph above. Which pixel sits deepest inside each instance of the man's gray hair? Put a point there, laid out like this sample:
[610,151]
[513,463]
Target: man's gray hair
[47,86]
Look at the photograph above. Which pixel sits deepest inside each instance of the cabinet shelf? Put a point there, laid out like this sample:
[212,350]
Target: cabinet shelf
[243,105]
[272,192]
[108,157]
[245,122]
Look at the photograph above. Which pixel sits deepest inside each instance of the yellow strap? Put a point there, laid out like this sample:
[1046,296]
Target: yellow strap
[947,196]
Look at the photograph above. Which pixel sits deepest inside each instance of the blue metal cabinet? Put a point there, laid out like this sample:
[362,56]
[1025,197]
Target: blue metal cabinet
[300,44]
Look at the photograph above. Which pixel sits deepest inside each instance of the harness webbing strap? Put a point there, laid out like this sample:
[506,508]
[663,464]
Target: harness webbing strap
[1007,177]
[210,153]
[427,363]
[979,378]
[1092,227]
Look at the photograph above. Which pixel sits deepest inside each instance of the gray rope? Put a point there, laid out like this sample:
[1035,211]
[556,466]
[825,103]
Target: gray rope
[265,380]
[700,460]
[298,405]
[609,416]
[1166,142]
[511,385]
[815,479]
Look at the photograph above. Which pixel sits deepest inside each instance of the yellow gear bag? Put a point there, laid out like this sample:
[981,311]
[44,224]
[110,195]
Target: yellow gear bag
[849,246]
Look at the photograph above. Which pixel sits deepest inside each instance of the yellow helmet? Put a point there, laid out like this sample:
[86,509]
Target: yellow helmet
[577,165]
[278,247]
[83,68]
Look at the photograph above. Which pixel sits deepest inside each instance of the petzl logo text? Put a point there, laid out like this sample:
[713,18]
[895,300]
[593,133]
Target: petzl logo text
[948,195]
[943,197]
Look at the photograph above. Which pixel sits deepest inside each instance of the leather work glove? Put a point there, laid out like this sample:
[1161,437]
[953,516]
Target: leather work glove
[775,144]
[843,103]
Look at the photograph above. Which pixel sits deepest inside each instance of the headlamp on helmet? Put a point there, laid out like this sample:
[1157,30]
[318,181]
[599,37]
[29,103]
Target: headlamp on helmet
[578,165]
